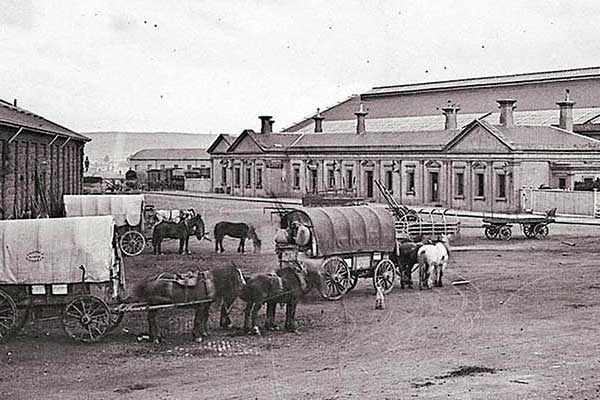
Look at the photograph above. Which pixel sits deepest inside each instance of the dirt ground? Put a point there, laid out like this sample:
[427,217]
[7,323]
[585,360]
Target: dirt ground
[525,327]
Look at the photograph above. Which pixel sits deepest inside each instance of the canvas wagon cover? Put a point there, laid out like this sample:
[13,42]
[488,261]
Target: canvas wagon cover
[345,230]
[51,250]
[126,209]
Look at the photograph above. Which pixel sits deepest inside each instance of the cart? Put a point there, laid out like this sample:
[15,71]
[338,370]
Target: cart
[532,226]
[132,217]
[350,242]
[66,268]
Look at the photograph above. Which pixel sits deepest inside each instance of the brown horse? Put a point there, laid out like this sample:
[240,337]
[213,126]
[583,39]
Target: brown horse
[220,285]
[238,230]
[181,230]
[286,286]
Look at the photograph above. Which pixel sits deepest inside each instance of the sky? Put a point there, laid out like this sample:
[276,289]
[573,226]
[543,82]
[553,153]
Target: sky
[215,66]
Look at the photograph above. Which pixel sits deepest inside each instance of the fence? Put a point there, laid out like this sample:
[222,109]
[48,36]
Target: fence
[566,202]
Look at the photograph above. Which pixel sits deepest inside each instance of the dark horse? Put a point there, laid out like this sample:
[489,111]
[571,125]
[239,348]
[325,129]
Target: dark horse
[181,230]
[220,285]
[238,230]
[285,286]
[405,261]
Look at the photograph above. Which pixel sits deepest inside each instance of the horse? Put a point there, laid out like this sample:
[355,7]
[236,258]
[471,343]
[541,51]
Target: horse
[405,261]
[220,285]
[285,286]
[433,259]
[182,231]
[238,230]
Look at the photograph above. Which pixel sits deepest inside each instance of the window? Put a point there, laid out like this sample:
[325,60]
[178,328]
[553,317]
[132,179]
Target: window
[175,165]
[410,182]
[562,183]
[149,166]
[459,188]
[501,186]
[248,177]
[296,181]
[259,178]
[236,177]
[136,166]
[349,179]
[331,178]
[189,166]
[389,181]
[223,176]
[479,185]
[162,166]
[204,172]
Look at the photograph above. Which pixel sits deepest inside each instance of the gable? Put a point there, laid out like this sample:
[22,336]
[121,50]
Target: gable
[245,144]
[221,147]
[478,140]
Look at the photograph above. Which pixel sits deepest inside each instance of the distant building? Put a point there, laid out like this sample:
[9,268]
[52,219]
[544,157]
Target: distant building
[41,161]
[187,159]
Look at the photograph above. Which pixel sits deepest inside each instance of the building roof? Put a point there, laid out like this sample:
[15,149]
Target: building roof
[223,137]
[544,138]
[171,154]
[12,115]
[500,80]
[274,142]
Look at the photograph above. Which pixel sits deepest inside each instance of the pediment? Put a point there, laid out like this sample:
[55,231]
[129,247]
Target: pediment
[478,140]
[245,144]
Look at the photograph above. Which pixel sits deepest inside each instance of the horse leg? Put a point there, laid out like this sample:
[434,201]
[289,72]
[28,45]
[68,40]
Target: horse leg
[247,312]
[290,317]
[187,243]
[181,243]
[270,322]
[255,309]
[440,274]
[242,245]
[225,321]
[153,328]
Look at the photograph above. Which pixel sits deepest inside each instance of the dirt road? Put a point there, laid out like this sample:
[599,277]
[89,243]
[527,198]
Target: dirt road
[525,327]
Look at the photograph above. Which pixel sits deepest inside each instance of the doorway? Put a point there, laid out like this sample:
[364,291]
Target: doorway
[369,178]
[434,189]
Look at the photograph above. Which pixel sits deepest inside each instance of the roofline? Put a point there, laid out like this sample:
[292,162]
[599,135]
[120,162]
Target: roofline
[221,136]
[467,83]
[307,118]
[72,135]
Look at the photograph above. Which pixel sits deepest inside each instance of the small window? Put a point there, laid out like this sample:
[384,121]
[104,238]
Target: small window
[259,178]
[331,178]
[459,188]
[162,166]
[479,185]
[175,165]
[501,186]
[410,182]
[223,176]
[189,166]
[296,178]
[236,177]
[136,166]
[149,166]
[562,183]
[349,179]
[389,181]
[204,172]
[248,177]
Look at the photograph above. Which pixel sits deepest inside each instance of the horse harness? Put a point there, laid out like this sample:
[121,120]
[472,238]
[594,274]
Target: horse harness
[300,272]
[186,280]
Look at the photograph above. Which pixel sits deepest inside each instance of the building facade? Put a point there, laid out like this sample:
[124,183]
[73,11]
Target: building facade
[41,161]
[187,159]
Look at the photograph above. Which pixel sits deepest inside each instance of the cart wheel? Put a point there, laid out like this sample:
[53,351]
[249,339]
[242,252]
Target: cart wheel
[353,281]
[86,319]
[526,230]
[505,233]
[115,319]
[491,232]
[132,243]
[8,316]
[541,231]
[337,278]
[384,276]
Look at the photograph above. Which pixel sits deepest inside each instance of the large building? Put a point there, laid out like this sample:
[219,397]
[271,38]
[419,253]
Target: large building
[479,166]
[149,159]
[41,161]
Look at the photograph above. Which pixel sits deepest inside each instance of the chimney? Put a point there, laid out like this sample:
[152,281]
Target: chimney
[566,113]
[271,122]
[15,102]
[265,124]
[318,118]
[361,115]
[450,112]
[506,112]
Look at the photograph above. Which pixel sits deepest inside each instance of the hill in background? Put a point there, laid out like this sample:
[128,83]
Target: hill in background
[120,145]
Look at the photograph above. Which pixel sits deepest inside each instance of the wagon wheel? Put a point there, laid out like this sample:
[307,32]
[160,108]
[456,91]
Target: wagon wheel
[527,230]
[132,243]
[505,233]
[384,276]
[541,231]
[337,278]
[86,319]
[8,316]
[491,232]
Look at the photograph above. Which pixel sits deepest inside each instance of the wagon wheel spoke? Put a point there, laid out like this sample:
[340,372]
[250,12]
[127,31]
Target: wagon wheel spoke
[132,243]
[337,278]
[86,319]
[8,315]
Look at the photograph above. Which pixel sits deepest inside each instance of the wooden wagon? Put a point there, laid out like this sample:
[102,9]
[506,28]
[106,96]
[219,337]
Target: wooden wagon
[531,226]
[350,243]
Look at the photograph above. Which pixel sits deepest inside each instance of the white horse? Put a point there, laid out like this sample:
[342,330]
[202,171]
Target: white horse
[433,259]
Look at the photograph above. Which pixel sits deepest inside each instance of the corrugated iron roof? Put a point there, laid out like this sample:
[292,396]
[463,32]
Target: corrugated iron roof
[19,117]
[171,154]
[561,75]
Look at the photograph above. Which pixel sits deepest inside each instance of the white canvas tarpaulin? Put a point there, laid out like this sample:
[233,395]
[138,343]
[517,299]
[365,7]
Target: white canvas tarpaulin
[52,250]
[126,209]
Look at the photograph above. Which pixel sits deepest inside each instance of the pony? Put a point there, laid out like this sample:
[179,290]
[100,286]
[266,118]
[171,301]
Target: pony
[285,286]
[220,285]
[405,260]
[182,231]
[238,230]
[433,259]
